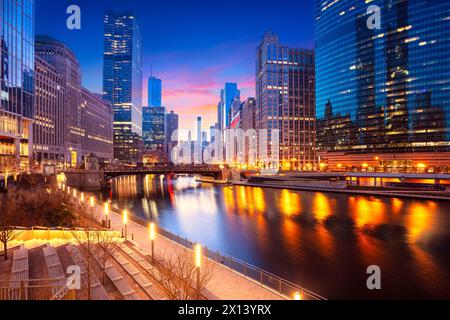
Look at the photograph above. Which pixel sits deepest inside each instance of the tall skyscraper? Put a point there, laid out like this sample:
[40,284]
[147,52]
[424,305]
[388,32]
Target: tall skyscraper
[227,96]
[198,143]
[172,123]
[154,119]
[122,82]
[285,96]
[386,86]
[16,81]
[64,61]
[154,92]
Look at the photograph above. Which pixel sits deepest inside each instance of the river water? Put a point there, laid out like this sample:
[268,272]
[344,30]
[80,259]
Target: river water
[322,241]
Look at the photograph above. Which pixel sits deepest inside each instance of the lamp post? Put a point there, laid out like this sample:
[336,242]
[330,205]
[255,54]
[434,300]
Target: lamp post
[92,205]
[68,190]
[125,223]
[106,212]
[152,230]
[82,197]
[198,265]
[74,193]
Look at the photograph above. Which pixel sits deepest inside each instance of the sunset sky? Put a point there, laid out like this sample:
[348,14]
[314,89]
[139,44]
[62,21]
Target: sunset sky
[193,46]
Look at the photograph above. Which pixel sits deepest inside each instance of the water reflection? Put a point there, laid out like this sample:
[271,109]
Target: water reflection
[323,241]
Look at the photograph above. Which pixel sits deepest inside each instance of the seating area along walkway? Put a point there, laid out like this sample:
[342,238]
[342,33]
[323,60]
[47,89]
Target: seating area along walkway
[225,284]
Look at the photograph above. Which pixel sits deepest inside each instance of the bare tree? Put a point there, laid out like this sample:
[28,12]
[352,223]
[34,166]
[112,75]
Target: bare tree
[106,244]
[178,274]
[87,239]
[8,167]
[7,230]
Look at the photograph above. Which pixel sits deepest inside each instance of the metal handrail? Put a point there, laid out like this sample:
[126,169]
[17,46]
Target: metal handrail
[262,273]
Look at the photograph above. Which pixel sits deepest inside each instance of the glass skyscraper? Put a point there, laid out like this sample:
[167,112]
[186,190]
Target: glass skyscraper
[154,119]
[16,81]
[122,82]
[383,94]
[154,92]
[227,96]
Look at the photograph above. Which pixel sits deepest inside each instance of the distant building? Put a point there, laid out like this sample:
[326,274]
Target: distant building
[154,129]
[154,92]
[285,96]
[122,82]
[227,96]
[97,123]
[66,64]
[172,136]
[236,114]
[249,114]
[49,125]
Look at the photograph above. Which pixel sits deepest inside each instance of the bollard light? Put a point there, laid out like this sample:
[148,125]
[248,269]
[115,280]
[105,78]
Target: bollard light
[152,230]
[298,296]
[106,209]
[125,223]
[198,255]
[198,263]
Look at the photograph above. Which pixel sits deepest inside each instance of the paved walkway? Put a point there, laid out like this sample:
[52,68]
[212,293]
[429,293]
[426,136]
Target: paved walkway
[224,285]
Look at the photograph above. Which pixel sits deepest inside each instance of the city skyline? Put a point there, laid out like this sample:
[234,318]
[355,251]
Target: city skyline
[181,58]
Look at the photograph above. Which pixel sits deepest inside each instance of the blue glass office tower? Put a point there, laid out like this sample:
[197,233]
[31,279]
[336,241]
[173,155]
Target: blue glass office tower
[383,95]
[16,81]
[122,82]
[153,124]
[154,92]
[227,96]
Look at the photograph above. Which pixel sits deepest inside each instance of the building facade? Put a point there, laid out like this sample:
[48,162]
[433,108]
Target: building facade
[49,125]
[388,86]
[16,82]
[227,96]
[154,92]
[172,136]
[154,129]
[97,124]
[64,61]
[285,96]
[122,82]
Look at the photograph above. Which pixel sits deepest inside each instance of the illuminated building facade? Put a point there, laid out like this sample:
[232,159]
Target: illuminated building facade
[154,119]
[16,81]
[64,61]
[388,87]
[122,82]
[97,123]
[49,125]
[285,99]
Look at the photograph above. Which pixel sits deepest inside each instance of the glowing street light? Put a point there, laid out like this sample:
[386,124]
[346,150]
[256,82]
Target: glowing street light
[298,296]
[74,193]
[106,212]
[68,190]
[152,235]
[198,264]
[92,202]
[82,197]
[125,223]
[59,186]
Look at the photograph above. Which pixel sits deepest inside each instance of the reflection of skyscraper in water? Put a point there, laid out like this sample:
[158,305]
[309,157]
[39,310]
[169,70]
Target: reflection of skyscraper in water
[397,72]
[369,117]
[428,122]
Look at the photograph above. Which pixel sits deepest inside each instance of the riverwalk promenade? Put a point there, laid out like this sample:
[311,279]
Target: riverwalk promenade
[225,284]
